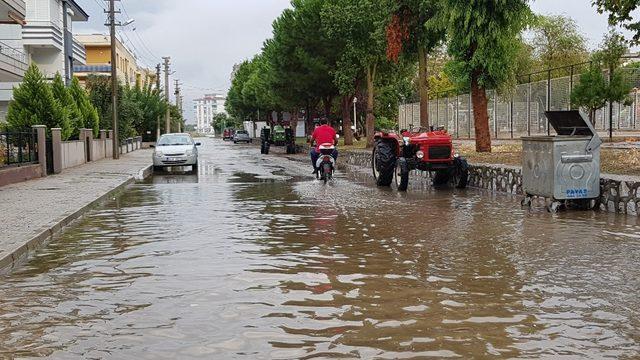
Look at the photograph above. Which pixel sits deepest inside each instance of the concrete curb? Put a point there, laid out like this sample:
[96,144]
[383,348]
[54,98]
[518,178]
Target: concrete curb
[12,260]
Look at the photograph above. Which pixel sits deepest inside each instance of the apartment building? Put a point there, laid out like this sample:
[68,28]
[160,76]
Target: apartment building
[98,49]
[38,31]
[205,109]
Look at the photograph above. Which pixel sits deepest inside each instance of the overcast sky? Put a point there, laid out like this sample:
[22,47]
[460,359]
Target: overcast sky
[205,38]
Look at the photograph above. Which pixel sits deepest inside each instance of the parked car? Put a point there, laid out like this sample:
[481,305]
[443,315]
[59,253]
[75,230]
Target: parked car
[242,136]
[228,133]
[175,150]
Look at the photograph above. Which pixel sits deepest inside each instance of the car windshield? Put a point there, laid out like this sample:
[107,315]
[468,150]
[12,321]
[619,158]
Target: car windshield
[241,132]
[168,140]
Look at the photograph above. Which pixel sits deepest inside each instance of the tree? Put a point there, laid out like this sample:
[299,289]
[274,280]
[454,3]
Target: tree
[88,112]
[589,92]
[557,42]
[415,30]
[69,106]
[34,104]
[302,58]
[138,108]
[236,104]
[593,91]
[483,43]
[99,88]
[222,121]
[621,12]
[361,24]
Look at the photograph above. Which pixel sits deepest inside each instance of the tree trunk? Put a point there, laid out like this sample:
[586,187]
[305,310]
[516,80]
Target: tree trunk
[327,102]
[346,120]
[370,122]
[293,122]
[480,116]
[309,120]
[423,84]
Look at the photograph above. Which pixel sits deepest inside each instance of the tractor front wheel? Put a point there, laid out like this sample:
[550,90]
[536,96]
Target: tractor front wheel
[402,174]
[441,178]
[383,163]
[460,176]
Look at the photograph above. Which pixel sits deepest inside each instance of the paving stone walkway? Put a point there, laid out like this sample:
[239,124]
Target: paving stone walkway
[30,212]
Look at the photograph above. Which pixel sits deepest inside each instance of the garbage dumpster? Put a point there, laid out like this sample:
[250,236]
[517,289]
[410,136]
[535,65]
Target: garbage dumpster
[564,168]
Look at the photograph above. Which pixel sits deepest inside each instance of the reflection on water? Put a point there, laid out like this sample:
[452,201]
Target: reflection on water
[251,260]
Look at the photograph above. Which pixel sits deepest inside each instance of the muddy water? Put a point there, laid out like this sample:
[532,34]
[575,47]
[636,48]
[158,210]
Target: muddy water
[253,259]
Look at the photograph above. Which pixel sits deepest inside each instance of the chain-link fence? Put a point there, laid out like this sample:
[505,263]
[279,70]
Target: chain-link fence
[521,113]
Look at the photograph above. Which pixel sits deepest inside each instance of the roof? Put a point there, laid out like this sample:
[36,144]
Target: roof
[80,14]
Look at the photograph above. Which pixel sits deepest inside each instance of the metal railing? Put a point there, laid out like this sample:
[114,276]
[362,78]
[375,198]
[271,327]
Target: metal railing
[18,58]
[18,148]
[521,113]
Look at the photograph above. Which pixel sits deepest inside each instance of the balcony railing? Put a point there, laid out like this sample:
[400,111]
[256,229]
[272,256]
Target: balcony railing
[13,60]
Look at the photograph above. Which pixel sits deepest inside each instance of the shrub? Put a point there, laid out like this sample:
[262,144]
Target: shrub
[34,104]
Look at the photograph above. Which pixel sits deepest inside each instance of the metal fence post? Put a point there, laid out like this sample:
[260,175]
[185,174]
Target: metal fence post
[619,115]
[457,116]
[529,108]
[548,99]
[635,108]
[495,114]
[437,109]
[570,87]
[511,117]
[446,112]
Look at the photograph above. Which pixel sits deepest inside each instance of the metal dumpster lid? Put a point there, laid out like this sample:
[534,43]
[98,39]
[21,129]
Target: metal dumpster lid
[570,123]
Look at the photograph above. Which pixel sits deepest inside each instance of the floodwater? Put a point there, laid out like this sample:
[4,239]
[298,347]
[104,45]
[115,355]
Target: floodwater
[253,259]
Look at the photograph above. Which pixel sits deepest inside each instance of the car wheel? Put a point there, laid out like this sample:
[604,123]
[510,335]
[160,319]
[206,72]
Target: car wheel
[383,163]
[402,174]
[158,168]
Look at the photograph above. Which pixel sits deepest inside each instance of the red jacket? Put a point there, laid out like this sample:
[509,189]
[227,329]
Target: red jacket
[324,134]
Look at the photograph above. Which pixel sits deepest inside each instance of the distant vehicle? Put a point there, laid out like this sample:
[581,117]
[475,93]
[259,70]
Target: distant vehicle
[175,150]
[228,133]
[242,136]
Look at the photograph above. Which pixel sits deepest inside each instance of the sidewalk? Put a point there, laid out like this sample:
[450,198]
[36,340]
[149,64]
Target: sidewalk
[31,212]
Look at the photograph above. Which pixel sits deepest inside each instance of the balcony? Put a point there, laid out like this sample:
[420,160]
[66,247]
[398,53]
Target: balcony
[12,11]
[43,34]
[79,51]
[13,63]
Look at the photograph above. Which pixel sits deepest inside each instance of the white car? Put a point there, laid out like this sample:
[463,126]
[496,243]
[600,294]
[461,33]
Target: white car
[175,150]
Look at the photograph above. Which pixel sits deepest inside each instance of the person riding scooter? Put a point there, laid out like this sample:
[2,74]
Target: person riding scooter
[323,134]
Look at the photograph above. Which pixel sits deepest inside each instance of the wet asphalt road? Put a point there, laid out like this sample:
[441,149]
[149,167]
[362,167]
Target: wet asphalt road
[254,259]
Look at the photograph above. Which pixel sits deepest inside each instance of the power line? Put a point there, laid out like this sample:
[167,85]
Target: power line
[140,39]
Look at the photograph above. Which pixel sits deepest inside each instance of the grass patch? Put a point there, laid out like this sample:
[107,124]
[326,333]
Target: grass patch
[613,161]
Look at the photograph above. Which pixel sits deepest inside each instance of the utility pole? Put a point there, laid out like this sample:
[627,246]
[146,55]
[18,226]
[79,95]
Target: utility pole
[158,89]
[167,119]
[177,93]
[114,79]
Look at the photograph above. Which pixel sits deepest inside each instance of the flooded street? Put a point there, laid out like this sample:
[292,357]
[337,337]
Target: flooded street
[254,259]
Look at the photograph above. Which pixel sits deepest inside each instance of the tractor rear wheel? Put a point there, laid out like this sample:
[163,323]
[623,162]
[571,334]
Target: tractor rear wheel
[402,174]
[383,163]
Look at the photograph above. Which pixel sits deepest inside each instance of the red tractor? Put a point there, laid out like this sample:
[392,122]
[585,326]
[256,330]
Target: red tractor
[395,155]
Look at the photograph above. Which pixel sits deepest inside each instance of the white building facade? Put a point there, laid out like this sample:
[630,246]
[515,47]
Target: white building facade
[206,108]
[38,31]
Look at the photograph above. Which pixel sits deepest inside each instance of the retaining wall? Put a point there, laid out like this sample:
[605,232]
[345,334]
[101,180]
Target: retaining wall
[619,193]
[16,174]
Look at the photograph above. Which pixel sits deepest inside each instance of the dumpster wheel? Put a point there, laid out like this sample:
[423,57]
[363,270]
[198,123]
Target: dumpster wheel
[555,206]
